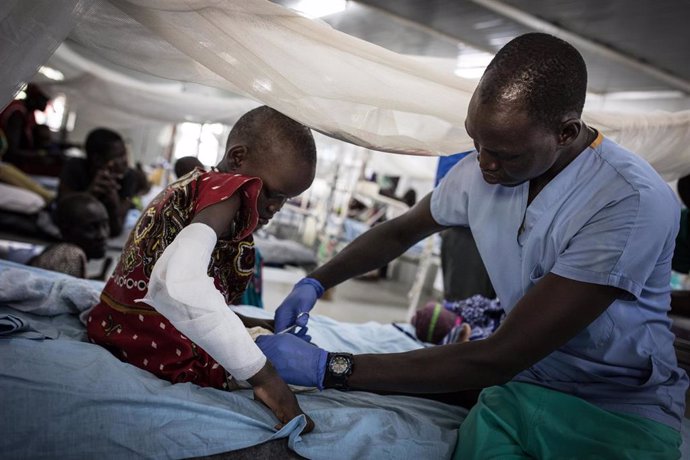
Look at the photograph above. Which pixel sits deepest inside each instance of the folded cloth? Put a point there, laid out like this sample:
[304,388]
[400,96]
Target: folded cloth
[14,326]
[45,293]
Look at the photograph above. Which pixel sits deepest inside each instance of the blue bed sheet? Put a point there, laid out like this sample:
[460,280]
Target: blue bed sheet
[63,397]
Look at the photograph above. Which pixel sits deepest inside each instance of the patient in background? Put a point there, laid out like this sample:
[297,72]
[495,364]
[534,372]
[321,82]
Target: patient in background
[191,254]
[104,174]
[83,224]
[445,322]
[14,177]
[186,165]
[17,121]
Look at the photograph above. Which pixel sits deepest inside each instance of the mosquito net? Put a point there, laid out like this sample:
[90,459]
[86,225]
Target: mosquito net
[130,57]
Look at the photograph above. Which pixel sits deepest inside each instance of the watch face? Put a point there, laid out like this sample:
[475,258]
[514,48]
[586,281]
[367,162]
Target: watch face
[339,365]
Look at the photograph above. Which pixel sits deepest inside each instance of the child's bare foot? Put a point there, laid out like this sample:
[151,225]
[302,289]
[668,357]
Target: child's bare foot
[465,334]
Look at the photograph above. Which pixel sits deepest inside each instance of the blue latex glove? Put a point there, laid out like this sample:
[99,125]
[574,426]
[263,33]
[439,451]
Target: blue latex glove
[297,362]
[301,300]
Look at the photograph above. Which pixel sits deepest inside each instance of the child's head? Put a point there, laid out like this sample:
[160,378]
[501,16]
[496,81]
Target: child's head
[83,220]
[432,322]
[186,165]
[266,144]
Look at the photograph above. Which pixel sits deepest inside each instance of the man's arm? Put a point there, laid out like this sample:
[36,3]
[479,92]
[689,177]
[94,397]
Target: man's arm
[549,315]
[379,245]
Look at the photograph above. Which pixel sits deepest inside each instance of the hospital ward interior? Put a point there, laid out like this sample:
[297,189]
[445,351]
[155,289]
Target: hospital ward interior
[344,229]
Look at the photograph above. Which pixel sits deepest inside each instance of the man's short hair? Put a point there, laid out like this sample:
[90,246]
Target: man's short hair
[263,128]
[99,140]
[543,72]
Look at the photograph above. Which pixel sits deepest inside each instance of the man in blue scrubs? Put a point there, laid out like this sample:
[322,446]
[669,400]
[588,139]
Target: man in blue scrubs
[577,235]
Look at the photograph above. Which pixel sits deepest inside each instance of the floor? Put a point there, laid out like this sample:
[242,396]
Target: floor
[353,301]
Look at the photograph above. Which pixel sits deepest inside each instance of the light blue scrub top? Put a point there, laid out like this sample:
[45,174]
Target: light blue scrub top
[607,218]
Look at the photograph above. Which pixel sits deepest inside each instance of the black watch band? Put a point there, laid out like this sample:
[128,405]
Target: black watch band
[339,367]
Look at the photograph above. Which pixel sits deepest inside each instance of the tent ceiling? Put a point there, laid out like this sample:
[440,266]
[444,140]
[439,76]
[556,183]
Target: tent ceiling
[347,88]
[651,32]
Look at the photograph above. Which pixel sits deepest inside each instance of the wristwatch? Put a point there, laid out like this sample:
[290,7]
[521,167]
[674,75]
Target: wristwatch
[338,369]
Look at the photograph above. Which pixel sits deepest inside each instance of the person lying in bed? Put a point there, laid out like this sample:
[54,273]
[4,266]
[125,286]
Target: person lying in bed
[577,235]
[83,223]
[165,308]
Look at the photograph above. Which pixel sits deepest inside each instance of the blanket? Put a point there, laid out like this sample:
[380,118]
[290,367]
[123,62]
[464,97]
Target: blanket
[64,397]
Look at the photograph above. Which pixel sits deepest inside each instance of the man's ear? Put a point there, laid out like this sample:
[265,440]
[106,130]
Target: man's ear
[570,130]
[235,157]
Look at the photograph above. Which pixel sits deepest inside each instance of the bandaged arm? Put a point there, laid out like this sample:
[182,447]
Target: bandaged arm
[181,290]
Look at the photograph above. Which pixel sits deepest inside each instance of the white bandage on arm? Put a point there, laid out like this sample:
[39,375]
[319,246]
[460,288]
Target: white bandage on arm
[181,290]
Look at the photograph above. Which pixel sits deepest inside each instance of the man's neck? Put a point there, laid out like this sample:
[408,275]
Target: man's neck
[584,140]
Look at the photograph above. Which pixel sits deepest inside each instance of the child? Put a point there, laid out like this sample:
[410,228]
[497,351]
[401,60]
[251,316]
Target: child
[191,254]
[474,318]
[83,224]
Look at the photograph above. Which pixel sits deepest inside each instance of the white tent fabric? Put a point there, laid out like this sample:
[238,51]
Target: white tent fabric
[662,138]
[344,87]
[119,101]
[30,31]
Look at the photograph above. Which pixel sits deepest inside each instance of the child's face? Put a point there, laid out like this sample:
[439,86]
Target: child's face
[90,231]
[284,175]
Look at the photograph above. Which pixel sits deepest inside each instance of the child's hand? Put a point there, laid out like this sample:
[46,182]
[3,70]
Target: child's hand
[271,390]
[250,322]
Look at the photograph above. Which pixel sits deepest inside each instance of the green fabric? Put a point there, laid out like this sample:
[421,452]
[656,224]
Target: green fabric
[434,320]
[520,420]
[681,255]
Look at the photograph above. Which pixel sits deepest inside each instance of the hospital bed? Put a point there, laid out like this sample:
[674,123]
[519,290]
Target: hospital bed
[63,397]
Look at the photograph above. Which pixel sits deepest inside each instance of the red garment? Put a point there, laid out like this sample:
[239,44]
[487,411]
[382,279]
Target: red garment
[136,332]
[14,107]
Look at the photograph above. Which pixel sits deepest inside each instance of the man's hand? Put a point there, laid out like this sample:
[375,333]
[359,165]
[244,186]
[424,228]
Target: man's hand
[105,184]
[272,391]
[298,362]
[301,300]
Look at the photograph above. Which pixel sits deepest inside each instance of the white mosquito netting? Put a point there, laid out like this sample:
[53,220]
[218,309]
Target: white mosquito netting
[253,51]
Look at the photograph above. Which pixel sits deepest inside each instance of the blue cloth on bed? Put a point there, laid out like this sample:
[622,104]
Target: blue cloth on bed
[67,398]
[13,325]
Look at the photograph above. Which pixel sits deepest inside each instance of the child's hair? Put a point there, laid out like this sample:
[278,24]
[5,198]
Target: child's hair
[186,164]
[67,213]
[262,128]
